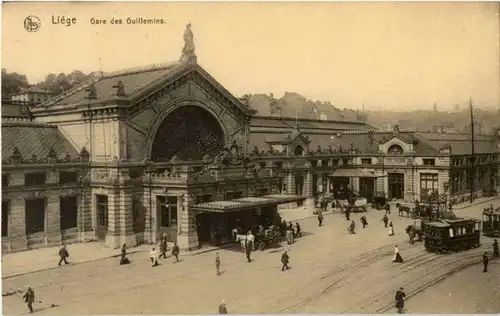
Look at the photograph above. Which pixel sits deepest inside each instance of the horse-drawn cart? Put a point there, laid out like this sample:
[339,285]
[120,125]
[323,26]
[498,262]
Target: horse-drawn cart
[273,238]
[359,205]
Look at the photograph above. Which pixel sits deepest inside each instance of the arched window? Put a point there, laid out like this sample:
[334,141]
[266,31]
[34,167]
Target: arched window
[395,150]
[299,151]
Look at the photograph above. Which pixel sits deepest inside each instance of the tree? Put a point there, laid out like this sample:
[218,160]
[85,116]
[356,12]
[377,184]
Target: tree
[13,83]
[57,84]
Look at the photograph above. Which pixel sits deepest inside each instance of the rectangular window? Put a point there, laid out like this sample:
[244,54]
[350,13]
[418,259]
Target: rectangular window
[102,210]
[35,216]
[429,162]
[335,162]
[5,218]
[68,210]
[168,211]
[366,161]
[35,178]
[262,192]
[203,198]
[5,180]
[428,185]
[68,177]
[233,195]
[345,161]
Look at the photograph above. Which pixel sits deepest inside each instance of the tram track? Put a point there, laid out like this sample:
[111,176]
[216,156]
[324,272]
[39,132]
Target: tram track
[428,261]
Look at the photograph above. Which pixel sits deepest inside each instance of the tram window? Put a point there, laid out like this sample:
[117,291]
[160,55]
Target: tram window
[451,233]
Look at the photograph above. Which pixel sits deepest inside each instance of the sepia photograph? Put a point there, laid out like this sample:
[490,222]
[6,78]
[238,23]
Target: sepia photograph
[250,157]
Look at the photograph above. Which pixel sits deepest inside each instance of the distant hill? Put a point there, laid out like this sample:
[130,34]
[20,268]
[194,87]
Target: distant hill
[457,121]
[293,104]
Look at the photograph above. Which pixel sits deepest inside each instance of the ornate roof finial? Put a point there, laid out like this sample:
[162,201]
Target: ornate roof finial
[188,54]
[120,89]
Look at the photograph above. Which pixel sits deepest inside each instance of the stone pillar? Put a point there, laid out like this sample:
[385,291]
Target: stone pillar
[85,219]
[187,237]
[147,204]
[53,215]
[290,183]
[18,239]
[113,233]
[308,188]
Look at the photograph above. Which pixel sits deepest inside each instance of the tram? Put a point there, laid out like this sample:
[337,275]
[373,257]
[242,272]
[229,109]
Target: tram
[452,235]
[491,222]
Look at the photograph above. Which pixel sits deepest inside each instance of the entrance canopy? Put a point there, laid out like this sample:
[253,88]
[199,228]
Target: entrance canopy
[246,203]
[352,173]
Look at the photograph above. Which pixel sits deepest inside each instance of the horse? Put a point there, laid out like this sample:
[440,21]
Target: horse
[403,209]
[413,232]
[244,239]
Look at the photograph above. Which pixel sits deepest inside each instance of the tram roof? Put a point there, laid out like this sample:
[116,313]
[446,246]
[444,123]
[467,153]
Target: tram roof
[246,203]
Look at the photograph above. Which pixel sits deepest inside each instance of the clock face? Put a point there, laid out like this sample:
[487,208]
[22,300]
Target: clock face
[188,133]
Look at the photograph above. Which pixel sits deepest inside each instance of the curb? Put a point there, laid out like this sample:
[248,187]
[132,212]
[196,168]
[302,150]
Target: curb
[474,203]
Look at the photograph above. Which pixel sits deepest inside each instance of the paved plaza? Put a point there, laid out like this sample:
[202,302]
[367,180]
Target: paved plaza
[331,271]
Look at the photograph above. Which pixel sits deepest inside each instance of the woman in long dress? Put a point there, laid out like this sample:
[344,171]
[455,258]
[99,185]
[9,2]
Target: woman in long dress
[391,229]
[397,256]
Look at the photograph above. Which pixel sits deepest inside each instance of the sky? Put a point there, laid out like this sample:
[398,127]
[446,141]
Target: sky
[393,56]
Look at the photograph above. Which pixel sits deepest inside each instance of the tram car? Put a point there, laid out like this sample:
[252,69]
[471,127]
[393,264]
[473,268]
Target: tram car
[452,235]
[491,222]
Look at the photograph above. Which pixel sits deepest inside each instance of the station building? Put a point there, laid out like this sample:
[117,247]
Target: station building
[129,156]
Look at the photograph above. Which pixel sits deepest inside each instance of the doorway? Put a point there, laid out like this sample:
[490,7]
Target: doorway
[102,216]
[396,185]
[167,217]
[367,187]
[68,210]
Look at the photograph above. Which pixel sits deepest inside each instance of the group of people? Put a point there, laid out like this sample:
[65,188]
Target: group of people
[154,256]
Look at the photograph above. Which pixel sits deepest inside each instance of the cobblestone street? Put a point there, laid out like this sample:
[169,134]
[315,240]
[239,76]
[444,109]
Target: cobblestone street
[331,271]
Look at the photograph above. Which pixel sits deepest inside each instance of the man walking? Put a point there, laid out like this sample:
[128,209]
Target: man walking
[364,221]
[485,262]
[217,263]
[163,246]
[29,298]
[298,232]
[175,252]
[248,251]
[320,218]
[348,214]
[400,300]
[63,254]
[385,219]
[284,260]
[496,252]
[153,256]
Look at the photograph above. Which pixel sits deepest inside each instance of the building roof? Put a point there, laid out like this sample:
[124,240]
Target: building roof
[34,139]
[246,203]
[461,143]
[32,90]
[134,80]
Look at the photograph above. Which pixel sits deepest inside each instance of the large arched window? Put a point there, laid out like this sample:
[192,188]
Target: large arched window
[299,151]
[395,150]
[189,133]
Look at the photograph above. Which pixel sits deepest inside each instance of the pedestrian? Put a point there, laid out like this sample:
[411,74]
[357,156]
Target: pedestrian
[347,213]
[352,227]
[175,252]
[163,246]
[320,218]
[29,298]
[496,252]
[153,255]
[364,221]
[397,256]
[400,300]
[248,251]
[217,263]
[485,262]
[284,260]
[124,259]
[385,219]
[222,307]
[63,254]
[298,230]
[391,229]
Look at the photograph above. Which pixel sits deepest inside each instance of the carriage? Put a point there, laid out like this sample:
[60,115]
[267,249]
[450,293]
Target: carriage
[354,205]
[491,222]
[273,238]
[452,235]
[380,203]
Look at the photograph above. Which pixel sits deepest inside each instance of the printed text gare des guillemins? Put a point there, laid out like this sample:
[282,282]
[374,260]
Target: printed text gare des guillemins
[69,21]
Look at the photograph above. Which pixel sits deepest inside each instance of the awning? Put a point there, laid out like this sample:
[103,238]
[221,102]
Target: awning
[353,173]
[246,203]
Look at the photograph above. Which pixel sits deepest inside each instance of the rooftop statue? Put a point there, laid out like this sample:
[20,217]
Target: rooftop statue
[188,50]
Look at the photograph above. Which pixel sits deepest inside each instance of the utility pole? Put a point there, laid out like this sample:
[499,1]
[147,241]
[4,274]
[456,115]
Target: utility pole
[473,162]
